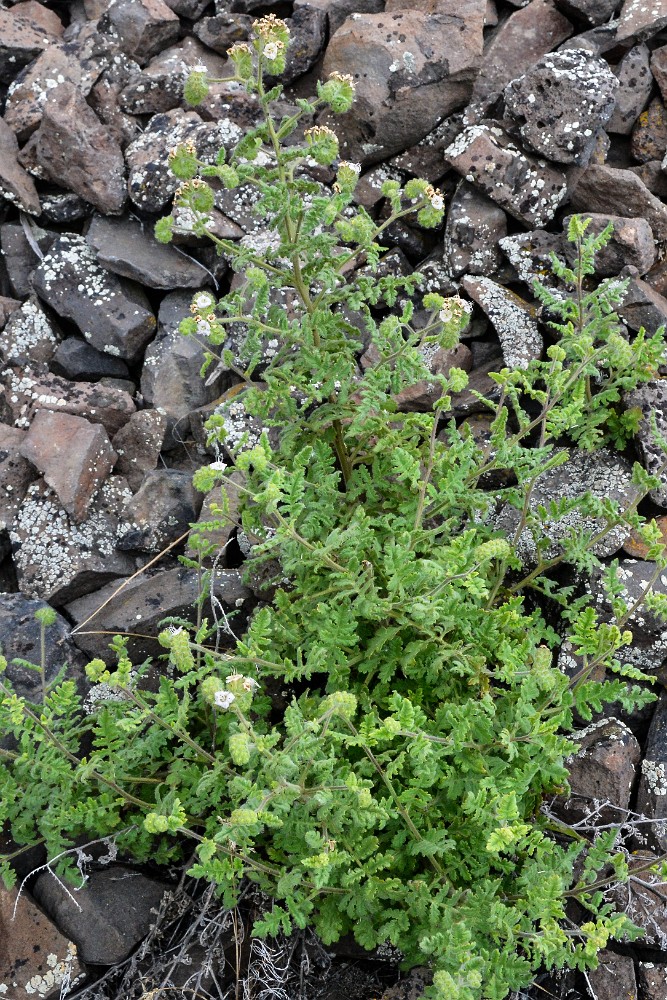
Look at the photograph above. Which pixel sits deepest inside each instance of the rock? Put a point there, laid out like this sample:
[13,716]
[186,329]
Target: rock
[16,474]
[29,335]
[643,901]
[607,189]
[111,913]
[73,455]
[368,191]
[422,396]
[639,20]
[642,306]
[191,9]
[638,549]
[602,772]
[21,638]
[410,69]
[35,957]
[436,274]
[649,136]
[513,320]
[112,314]
[128,247]
[652,176]
[16,184]
[631,244]
[530,256]
[159,87]
[211,513]
[474,226]
[594,12]
[524,186]
[425,158]
[635,85]
[518,43]
[562,102]
[25,31]
[486,357]
[28,390]
[78,64]
[222,31]
[64,207]
[138,605]
[604,473]
[614,977]
[143,27]
[160,512]
[651,398]
[411,986]
[170,377]
[74,149]
[652,791]
[150,182]
[652,981]
[138,445]
[104,99]
[57,560]
[75,359]
[308,29]
[338,11]
[659,69]
[23,255]
[7,307]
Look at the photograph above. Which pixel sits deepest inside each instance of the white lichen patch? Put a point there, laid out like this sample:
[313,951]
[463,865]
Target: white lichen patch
[656,776]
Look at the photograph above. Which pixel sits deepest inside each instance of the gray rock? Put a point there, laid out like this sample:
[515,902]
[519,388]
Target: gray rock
[338,11]
[25,31]
[513,320]
[16,185]
[530,256]
[142,27]
[128,247]
[649,136]
[643,901]
[16,474]
[593,12]
[652,791]
[104,99]
[222,31]
[28,390]
[635,85]
[562,102]
[639,21]
[411,69]
[308,28]
[651,398]
[603,770]
[659,69]
[138,605]
[64,207]
[610,190]
[475,224]
[112,912]
[73,455]
[604,473]
[20,256]
[631,244]
[524,186]
[160,512]
[150,182]
[518,43]
[112,314]
[424,159]
[29,335]
[159,87]
[138,444]
[57,560]
[75,359]
[210,514]
[191,9]
[170,377]
[20,638]
[642,306]
[72,148]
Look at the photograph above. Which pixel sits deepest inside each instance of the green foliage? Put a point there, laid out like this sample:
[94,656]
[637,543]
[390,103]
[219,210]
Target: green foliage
[397,795]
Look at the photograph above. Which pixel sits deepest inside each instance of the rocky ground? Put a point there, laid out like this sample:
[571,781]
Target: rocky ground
[522,113]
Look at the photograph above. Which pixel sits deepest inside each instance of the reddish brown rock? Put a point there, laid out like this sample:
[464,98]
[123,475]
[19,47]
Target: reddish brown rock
[614,978]
[16,474]
[26,95]
[607,189]
[649,136]
[7,307]
[635,547]
[602,771]
[410,68]
[138,444]
[636,84]
[641,19]
[35,958]
[29,335]
[16,184]
[652,981]
[73,455]
[28,390]
[631,244]
[659,69]
[144,27]
[25,31]
[75,150]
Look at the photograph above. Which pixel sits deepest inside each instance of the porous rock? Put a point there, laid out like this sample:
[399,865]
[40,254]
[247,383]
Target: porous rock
[635,85]
[138,444]
[112,912]
[652,980]
[74,149]
[605,189]
[57,560]
[513,319]
[410,69]
[137,605]
[25,31]
[128,247]
[73,455]
[474,226]
[159,87]
[649,136]
[518,43]
[524,186]
[28,390]
[562,102]
[112,314]
[16,184]
[530,255]
[36,958]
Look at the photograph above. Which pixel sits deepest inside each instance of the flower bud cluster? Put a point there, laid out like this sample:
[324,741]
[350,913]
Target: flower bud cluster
[322,144]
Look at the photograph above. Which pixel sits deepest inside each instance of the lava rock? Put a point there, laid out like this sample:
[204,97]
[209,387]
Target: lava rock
[562,102]
[143,27]
[652,980]
[631,244]
[525,187]
[652,791]
[474,226]
[75,359]
[635,85]
[308,29]
[112,314]
[513,320]
[160,512]
[128,247]
[35,956]
[29,335]
[16,184]
[530,256]
[614,977]
[649,136]
[138,445]
[222,31]
[659,69]
[25,31]
[338,11]
[651,399]
[609,190]
[602,772]
[159,87]
[16,474]
[22,255]
[639,21]
[642,306]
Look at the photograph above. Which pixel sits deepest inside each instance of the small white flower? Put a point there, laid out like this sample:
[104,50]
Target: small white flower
[356,167]
[224,699]
[199,68]
[271,50]
[203,301]
[249,684]
[437,202]
[234,677]
[218,466]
